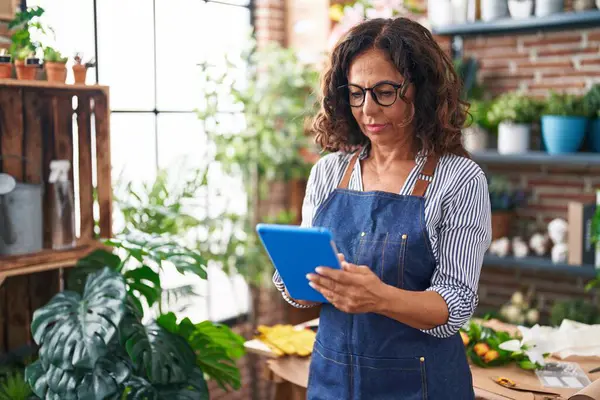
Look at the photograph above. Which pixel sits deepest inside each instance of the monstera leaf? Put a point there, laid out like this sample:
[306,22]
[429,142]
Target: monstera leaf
[101,382]
[194,388]
[163,357]
[74,331]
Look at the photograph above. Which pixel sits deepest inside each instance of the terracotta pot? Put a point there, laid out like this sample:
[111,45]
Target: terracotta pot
[501,223]
[25,72]
[5,70]
[56,72]
[79,72]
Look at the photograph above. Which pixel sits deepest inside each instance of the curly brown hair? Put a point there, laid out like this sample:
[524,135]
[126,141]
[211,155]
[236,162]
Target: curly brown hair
[439,112]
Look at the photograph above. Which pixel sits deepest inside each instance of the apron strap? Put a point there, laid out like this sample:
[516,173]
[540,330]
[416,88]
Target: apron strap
[427,173]
[346,179]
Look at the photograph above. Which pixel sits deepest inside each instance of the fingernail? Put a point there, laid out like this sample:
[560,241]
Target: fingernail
[312,285]
[309,276]
[319,270]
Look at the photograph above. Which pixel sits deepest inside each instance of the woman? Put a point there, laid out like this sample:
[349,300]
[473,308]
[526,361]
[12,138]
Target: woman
[410,215]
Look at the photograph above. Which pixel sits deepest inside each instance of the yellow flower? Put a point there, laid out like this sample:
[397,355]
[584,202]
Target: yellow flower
[465,338]
[481,348]
[490,356]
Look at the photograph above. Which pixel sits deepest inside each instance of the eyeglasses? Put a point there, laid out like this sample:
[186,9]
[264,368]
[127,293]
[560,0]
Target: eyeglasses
[384,93]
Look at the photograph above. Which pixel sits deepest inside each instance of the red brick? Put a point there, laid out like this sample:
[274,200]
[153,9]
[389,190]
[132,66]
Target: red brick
[561,73]
[567,51]
[552,38]
[577,84]
[544,64]
[594,35]
[590,61]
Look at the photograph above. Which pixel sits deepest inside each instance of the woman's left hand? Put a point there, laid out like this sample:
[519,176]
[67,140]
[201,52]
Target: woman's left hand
[353,289]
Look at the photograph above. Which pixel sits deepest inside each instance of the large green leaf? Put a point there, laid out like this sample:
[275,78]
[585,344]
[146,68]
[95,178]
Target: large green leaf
[161,356]
[216,347]
[103,381]
[75,331]
[91,263]
[194,388]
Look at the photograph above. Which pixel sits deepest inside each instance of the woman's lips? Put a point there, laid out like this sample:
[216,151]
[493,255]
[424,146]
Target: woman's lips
[374,128]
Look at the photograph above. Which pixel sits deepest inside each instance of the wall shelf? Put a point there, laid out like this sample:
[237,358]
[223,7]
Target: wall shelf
[559,21]
[541,264]
[538,158]
[44,260]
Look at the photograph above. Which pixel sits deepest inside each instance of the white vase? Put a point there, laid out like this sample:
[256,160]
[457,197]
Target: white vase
[513,138]
[459,11]
[475,138]
[493,9]
[520,8]
[598,4]
[548,7]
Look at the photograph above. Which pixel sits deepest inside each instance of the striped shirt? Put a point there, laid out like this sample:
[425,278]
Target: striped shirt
[458,220]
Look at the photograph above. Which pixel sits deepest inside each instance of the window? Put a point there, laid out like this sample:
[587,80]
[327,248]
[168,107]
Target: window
[148,53]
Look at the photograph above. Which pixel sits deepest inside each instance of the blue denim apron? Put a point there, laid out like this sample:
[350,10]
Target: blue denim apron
[370,356]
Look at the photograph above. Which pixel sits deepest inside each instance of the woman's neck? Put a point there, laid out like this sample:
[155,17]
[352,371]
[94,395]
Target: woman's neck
[384,154]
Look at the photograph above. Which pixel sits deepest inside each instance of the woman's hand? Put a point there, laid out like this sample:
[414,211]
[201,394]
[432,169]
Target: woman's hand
[353,289]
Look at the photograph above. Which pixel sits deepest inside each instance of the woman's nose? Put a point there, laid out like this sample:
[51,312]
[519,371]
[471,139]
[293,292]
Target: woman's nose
[370,106]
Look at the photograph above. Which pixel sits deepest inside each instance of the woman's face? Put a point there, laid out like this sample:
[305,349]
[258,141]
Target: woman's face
[379,123]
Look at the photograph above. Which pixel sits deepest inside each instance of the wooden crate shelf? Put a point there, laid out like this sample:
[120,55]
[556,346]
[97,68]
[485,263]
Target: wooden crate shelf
[44,121]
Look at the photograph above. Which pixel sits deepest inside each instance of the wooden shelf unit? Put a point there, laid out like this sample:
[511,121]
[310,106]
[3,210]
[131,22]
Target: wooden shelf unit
[44,121]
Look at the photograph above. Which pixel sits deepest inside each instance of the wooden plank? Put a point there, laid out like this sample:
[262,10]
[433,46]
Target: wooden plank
[17,304]
[48,154]
[11,132]
[86,198]
[42,287]
[45,85]
[102,117]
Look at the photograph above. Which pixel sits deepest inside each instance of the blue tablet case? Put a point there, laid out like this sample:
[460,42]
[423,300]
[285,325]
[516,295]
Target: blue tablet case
[296,251]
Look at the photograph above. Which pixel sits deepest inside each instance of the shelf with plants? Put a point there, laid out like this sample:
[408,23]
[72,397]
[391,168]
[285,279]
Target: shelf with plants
[584,159]
[542,264]
[558,21]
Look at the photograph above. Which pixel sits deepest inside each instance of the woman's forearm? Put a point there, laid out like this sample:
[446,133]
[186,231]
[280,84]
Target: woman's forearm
[420,310]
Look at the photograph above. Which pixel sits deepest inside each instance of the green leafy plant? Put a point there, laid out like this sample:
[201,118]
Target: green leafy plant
[578,310]
[94,346]
[514,107]
[591,101]
[28,29]
[565,105]
[503,195]
[53,55]
[14,387]
[478,111]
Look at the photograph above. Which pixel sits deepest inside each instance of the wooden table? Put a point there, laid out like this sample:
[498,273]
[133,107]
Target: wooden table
[291,375]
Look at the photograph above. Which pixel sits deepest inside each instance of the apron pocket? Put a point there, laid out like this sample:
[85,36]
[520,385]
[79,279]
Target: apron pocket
[390,378]
[384,254]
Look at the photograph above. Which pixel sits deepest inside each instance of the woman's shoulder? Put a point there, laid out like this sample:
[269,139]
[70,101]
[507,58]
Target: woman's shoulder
[454,172]
[332,162]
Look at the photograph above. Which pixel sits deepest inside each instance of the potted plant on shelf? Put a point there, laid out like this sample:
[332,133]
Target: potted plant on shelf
[513,113]
[5,64]
[80,68]
[26,64]
[564,123]
[55,64]
[544,8]
[591,102]
[504,199]
[476,135]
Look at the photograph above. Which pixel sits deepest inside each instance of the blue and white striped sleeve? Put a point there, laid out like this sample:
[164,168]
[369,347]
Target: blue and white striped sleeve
[308,208]
[464,237]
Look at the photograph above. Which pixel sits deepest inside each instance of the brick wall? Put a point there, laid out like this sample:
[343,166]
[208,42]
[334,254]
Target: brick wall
[563,61]
[537,63]
[4,35]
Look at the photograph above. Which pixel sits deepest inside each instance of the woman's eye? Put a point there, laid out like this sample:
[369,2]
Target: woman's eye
[356,95]
[385,94]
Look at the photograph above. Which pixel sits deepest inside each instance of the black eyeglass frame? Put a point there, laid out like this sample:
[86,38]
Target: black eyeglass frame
[403,87]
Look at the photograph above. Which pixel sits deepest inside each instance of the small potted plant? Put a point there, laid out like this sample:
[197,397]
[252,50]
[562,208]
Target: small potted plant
[80,68]
[591,102]
[55,65]
[513,113]
[5,64]
[504,200]
[476,134]
[26,64]
[564,123]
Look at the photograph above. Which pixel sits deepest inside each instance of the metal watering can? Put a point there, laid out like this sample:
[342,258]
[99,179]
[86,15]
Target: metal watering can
[21,215]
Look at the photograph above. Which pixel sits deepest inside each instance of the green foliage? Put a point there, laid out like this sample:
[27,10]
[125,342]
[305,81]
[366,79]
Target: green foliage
[14,387]
[26,23]
[94,346]
[591,101]
[565,105]
[162,206]
[53,55]
[467,69]
[514,107]
[478,112]
[577,310]
[276,97]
